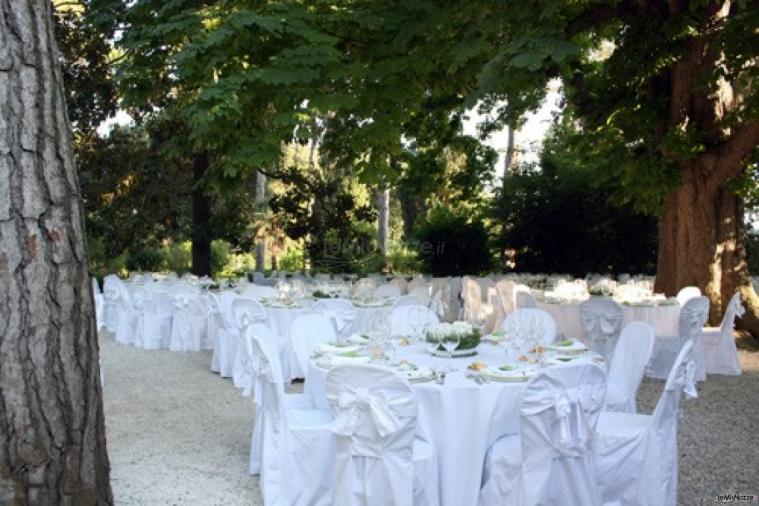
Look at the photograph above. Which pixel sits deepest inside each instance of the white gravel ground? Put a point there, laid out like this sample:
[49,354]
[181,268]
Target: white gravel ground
[179,434]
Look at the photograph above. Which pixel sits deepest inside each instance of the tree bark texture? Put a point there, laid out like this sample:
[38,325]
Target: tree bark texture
[201,218]
[383,224]
[51,414]
[260,203]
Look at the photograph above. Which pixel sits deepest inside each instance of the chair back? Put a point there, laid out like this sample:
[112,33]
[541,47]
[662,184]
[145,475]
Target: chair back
[417,282]
[247,311]
[387,290]
[693,316]
[505,290]
[662,479]
[306,333]
[340,313]
[406,300]
[269,439]
[602,322]
[687,293]
[631,355]
[471,292]
[734,308]
[523,299]
[525,321]
[559,410]
[412,321]
[401,283]
[422,294]
[248,362]
[375,420]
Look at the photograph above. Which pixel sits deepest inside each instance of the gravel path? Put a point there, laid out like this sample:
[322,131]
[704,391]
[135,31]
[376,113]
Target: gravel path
[179,434]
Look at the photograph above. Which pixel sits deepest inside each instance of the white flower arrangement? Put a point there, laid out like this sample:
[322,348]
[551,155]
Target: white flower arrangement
[468,334]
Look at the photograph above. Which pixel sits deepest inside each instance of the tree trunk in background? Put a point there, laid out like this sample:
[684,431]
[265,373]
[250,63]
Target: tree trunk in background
[51,413]
[260,203]
[509,159]
[383,221]
[410,210]
[201,217]
[702,243]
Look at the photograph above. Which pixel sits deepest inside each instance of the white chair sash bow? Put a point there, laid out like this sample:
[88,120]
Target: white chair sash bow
[352,401]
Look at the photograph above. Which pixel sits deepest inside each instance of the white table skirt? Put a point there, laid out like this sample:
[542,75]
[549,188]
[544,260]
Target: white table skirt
[461,419]
[664,319]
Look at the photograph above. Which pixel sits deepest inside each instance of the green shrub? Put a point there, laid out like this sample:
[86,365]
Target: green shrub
[450,244]
[146,259]
[178,257]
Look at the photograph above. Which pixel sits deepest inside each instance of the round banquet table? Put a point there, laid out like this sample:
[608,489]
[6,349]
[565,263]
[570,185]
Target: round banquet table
[280,321]
[664,319]
[461,419]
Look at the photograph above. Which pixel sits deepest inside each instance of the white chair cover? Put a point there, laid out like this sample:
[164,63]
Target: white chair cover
[306,333]
[155,318]
[222,330]
[111,293]
[422,294]
[412,321]
[388,290]
[291,443]
[526,319]
[523,299]
[628,365]
[477,309]
[693,316]
[189,321]
[340,312]
[246,364]
[406,300]
[688,293]
[126,314]
[554,465]
[417,282]
[375,422]
[636,455]
[401,283]
[720,352]
[602,321]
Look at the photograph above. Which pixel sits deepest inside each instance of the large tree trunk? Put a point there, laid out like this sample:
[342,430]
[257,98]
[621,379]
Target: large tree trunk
[260,203]
[201,218]
[702,243]
[51,413]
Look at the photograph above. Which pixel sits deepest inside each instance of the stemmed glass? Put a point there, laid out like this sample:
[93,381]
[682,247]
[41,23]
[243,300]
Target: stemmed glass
[450,342]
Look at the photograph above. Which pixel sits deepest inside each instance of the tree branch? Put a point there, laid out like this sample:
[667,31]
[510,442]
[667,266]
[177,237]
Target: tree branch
[733,151]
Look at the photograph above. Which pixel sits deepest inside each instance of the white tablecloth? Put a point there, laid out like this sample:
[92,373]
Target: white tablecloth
[461,419]
[664,319]
[280,320]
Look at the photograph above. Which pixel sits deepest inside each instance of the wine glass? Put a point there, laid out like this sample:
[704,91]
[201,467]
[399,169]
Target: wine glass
[450,342]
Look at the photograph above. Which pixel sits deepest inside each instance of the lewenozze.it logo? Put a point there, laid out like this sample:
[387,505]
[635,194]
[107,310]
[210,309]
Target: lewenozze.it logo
[736,498]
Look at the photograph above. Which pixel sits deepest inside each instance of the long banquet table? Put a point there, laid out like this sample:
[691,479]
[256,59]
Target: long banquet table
[461,418]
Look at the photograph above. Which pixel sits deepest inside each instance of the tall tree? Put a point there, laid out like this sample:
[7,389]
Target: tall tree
[51,412]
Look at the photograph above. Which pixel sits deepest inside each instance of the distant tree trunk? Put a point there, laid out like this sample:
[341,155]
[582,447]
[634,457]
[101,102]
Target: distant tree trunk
[383,221]
[702,243]
[201,218]
[509,159]
[260,202]
[53,447]
[411,208]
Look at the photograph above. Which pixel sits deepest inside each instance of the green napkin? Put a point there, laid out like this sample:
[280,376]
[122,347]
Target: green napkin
[349,354]
[564,342]
[506,368]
